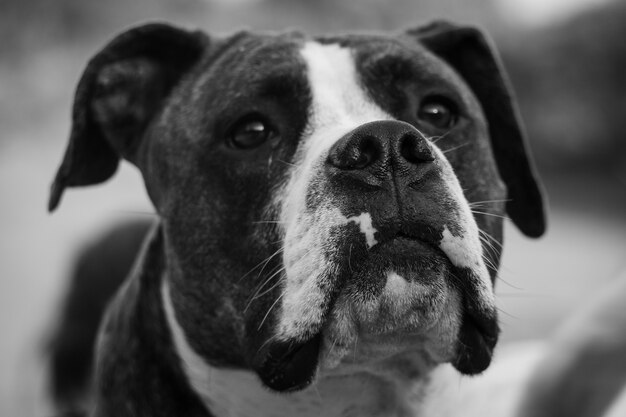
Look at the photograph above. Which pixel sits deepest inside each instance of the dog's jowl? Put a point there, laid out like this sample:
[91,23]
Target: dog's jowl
[329,216]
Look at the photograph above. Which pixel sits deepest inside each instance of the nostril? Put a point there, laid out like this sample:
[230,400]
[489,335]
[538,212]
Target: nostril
[415,149]
[367,153]
[354,154]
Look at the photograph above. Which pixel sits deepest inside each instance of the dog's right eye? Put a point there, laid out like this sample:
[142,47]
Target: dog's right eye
[438,112]
[249,133]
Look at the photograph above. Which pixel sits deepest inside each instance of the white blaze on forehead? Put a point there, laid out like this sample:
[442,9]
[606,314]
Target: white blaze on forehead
[339,102]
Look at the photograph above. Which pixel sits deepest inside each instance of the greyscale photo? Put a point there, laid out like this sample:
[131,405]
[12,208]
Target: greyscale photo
[313,208]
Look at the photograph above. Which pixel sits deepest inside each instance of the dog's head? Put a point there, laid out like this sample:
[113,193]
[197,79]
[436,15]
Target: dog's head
[326,203]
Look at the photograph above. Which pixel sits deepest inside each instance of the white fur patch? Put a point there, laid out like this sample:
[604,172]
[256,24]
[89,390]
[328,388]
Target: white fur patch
[463,247]
[364,221]
[396,285]
[339,105]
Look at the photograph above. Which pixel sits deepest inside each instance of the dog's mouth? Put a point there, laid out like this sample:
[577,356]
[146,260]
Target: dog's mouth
[287,366]
[291,364]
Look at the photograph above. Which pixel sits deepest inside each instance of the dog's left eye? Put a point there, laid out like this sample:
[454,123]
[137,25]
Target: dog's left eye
[438,112]
[249,133]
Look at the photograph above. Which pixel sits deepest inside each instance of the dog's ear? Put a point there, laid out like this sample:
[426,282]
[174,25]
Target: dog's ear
[470,53]
[121,90]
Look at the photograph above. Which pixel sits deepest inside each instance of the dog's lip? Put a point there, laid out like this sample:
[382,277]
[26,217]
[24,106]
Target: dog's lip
[418,245]
[410,238]
[477,339]
[290,365]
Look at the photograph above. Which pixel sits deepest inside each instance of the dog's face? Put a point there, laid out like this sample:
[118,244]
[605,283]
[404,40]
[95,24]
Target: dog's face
[327,204]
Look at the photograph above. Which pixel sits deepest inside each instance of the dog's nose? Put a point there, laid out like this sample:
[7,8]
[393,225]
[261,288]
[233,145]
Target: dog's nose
[376,148]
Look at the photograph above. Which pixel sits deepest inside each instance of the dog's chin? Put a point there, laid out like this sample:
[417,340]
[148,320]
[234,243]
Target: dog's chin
[398,306]
[399,303]
[395,300]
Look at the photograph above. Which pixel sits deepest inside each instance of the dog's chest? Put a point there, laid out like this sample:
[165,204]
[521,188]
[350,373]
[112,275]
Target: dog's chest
[238,393]
[230,393]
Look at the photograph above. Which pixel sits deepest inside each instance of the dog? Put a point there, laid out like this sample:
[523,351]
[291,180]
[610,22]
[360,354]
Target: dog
[329,212]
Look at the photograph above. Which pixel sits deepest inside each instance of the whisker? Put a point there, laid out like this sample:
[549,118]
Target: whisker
[507,314]
[256,294]
[269,310]
[455,148]
[489,244]
[271,272]
[490,251]
[489,201]
[504,281]
[491,238]
[488,260]
[489,214]
[317,391]
[489,263]
[285,162]
[269,340]
[274,272]
[276,284]
[263,262]
[332,346]
[435,139]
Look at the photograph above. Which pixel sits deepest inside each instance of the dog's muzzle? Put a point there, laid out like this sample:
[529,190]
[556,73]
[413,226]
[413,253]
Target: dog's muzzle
[379,241]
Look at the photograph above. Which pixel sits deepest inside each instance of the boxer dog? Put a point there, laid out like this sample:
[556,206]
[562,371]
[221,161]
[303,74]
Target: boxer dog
[329,216]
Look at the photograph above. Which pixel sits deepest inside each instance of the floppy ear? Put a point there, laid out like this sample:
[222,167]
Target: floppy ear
[469,52]
[121,90]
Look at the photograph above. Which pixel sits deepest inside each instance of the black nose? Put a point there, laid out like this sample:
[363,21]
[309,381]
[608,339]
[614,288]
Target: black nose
[379,147]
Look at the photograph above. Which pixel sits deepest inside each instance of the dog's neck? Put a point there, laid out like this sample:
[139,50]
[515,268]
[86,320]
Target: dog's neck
[239,393]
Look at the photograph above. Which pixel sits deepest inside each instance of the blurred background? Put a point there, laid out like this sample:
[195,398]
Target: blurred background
[567,61]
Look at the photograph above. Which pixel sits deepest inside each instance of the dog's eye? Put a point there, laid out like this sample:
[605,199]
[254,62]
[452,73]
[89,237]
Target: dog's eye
[249,133]
[438,112]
